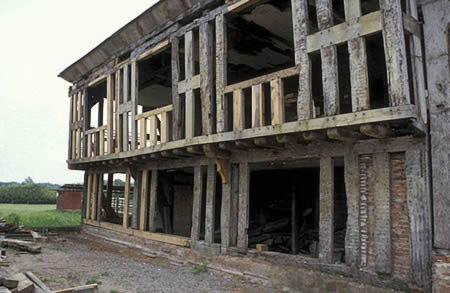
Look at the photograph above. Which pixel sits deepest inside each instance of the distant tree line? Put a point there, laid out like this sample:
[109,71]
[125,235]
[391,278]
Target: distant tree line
[27,192]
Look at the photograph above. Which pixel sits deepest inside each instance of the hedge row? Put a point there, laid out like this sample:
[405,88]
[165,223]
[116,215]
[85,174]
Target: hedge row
[27,194]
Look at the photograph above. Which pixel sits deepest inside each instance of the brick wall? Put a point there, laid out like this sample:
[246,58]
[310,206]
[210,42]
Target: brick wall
[399,215]
[441,272]
[69,200]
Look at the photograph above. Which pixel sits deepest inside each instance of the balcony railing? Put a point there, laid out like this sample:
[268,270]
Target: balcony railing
[154,126]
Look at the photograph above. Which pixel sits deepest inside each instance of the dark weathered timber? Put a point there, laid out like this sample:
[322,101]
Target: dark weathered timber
[326,218]
[210,203]
[197,204]
[382,190]
[225,213]
[243,214]
[206,78]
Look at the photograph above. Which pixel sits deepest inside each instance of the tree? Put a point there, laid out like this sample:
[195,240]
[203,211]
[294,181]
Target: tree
[28,181]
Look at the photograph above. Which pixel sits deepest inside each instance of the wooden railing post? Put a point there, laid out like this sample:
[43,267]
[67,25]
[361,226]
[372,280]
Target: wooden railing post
[134,100]
[277,101]
[110,112]
[258,111]
[239,110]
[189,94]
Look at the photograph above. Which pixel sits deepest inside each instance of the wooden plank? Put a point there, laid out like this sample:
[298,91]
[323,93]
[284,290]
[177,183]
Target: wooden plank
[326,218]
[262,79]
[153,201]
[91,288]
[143,132]
[352,235]
[74,144]
[177,106]
[161,46]
[359,76]
[165,127]
[88,196]
[94,192]
[238,110]
[89,145]
[101,142]
[244,200]
[300,20]
[166,238]
[189,94]
[75,108]
[38,283]
[80,106]
[328,54]
[225,212]
[126,200]
[154,112]
[86,120]
[119,98]
[381,115]
[240,5]
[277,101]
[395,52]
[134,100]
[221,73]
[78,139]
[366,25]
[258,113]
[110,114]
[418,58]
[136,201]
[99,197]
[197,204]
[419,207]
[153,130]
[143,215]
[206,78]
[125,133]
[234,205]
[382,191]
[210,203]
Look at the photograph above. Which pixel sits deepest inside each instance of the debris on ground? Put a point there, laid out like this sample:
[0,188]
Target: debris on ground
[22,245]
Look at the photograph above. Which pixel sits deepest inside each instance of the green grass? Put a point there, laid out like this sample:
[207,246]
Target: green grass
[39,215]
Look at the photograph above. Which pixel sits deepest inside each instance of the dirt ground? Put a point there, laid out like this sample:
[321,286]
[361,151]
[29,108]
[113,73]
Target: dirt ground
[76,259]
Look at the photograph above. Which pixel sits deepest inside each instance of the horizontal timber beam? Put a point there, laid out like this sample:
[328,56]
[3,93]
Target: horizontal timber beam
[403,112]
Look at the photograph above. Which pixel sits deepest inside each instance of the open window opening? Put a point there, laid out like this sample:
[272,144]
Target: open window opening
[174,202]
[155,81]
[284,207]
[260,40]
[340,211]
[113,200]
[97,105]
[377,72]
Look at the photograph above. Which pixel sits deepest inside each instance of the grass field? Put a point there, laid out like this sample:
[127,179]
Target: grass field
[38,215]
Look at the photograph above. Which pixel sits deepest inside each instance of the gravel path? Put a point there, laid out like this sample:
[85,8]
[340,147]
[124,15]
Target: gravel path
[78,258]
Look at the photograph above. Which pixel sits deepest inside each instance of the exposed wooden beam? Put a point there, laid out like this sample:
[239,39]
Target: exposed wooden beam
[376,130]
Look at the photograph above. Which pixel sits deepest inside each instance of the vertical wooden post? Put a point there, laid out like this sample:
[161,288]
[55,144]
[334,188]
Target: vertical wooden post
[206,78]
[419,208]
[189,94]
[244,199]
[326,218]
[359,76]
[197,204]
[126,200]
[85,194]
[225,213]
[177,105]
[110,114]
[94,192]
[88,196]
[119,97]
[165,129]
[277,101]
[330,78]
[86,121]
[234,204]
[153,130]
[417,63]
[300,22]
[258,113]
[382,190]
[136,201]
[126,84]
[294,221]
[352,235]
[238,110]
[143,202]
[153,200]
[99,197]
[70,154]
[210,203]
[143,134]
[134,101]
[395,52]
[221,73]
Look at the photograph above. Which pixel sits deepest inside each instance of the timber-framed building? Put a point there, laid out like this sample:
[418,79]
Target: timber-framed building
[292,140]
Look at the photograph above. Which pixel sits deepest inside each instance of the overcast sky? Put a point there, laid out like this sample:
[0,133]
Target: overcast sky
[40,38]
